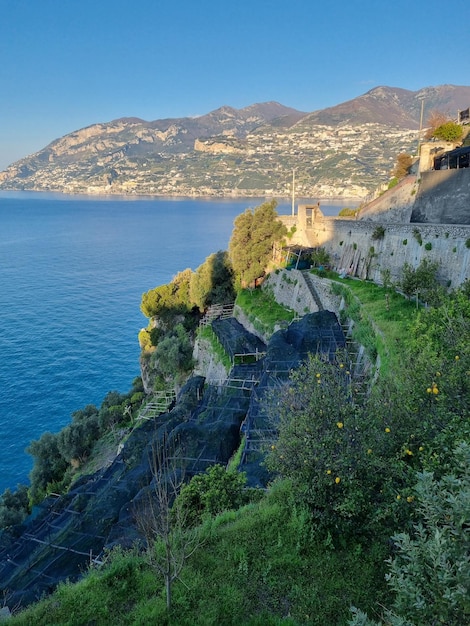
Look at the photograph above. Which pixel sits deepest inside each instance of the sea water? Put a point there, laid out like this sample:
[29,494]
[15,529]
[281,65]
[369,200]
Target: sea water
[72,273]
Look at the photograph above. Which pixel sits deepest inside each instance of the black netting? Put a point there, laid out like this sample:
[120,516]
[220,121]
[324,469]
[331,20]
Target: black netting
[205,424]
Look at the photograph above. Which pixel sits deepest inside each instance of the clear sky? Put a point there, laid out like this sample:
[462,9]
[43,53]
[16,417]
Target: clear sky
[66,64]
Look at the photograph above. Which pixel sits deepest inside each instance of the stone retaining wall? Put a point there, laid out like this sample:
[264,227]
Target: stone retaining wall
[290,289]
[354,246]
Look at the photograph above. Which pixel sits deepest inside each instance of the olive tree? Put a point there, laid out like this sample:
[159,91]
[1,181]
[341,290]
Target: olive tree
[430,570]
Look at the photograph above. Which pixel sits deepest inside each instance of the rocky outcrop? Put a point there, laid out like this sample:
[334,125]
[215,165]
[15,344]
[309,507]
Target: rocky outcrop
[216,147]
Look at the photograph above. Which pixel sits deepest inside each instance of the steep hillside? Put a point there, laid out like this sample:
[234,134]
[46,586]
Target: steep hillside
[342,151]
[393,107]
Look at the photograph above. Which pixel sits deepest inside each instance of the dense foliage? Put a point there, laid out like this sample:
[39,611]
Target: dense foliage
[336,447]
[14,506]
[211,493]
[168,300]
[57,456]
[449,131]
[422,280]
[251,244]
[213,282]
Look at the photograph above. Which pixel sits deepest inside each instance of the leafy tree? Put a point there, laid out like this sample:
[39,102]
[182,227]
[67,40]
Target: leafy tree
[213,492]
[49,465]
[430,573]
[212,282]
[251,244]
[450,131]
[170,299]
[422,279]
[76,440]
[324,439]
[89,411]
[173,354]
[320,257]
[14,506]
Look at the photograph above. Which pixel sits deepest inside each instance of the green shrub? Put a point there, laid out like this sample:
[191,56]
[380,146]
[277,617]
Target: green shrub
[417,236]
[347,212]
[211,493]
[422,279]
[14,507]
[449,131]
[379,232]
[428,246]
[430,574]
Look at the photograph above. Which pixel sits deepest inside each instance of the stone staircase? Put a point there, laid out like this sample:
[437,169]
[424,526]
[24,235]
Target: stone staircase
[311,287]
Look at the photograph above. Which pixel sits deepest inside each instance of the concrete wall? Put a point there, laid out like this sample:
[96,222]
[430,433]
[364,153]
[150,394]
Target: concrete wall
[395,205]
[443,197]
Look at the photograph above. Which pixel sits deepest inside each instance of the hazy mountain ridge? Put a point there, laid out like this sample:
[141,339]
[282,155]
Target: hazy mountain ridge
[345,150]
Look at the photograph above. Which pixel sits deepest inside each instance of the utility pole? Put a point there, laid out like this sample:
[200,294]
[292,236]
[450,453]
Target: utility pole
[293,192]
[420,125]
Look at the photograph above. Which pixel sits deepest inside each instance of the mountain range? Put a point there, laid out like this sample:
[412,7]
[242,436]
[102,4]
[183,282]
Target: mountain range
[345,151]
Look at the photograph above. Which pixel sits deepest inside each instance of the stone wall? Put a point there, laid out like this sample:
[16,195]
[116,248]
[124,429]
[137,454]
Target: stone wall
[290,289]
[353,246]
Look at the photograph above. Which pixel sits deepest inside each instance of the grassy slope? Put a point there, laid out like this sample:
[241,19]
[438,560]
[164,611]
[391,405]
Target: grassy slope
[259,565]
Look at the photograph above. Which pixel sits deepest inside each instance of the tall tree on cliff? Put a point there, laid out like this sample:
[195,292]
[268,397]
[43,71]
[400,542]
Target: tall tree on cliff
[212,282]
[251,244]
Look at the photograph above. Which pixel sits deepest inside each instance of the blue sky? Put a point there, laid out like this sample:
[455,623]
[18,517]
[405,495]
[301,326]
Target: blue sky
[66,64]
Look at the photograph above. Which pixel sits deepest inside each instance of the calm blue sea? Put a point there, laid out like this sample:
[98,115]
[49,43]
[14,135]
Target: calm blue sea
[72,273]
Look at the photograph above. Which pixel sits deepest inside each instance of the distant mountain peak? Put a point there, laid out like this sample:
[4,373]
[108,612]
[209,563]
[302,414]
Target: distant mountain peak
[343,150]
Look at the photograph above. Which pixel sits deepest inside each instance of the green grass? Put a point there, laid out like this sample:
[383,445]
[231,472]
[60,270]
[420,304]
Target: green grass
[208,334]
[262,309]
[257,565]
[382,319]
